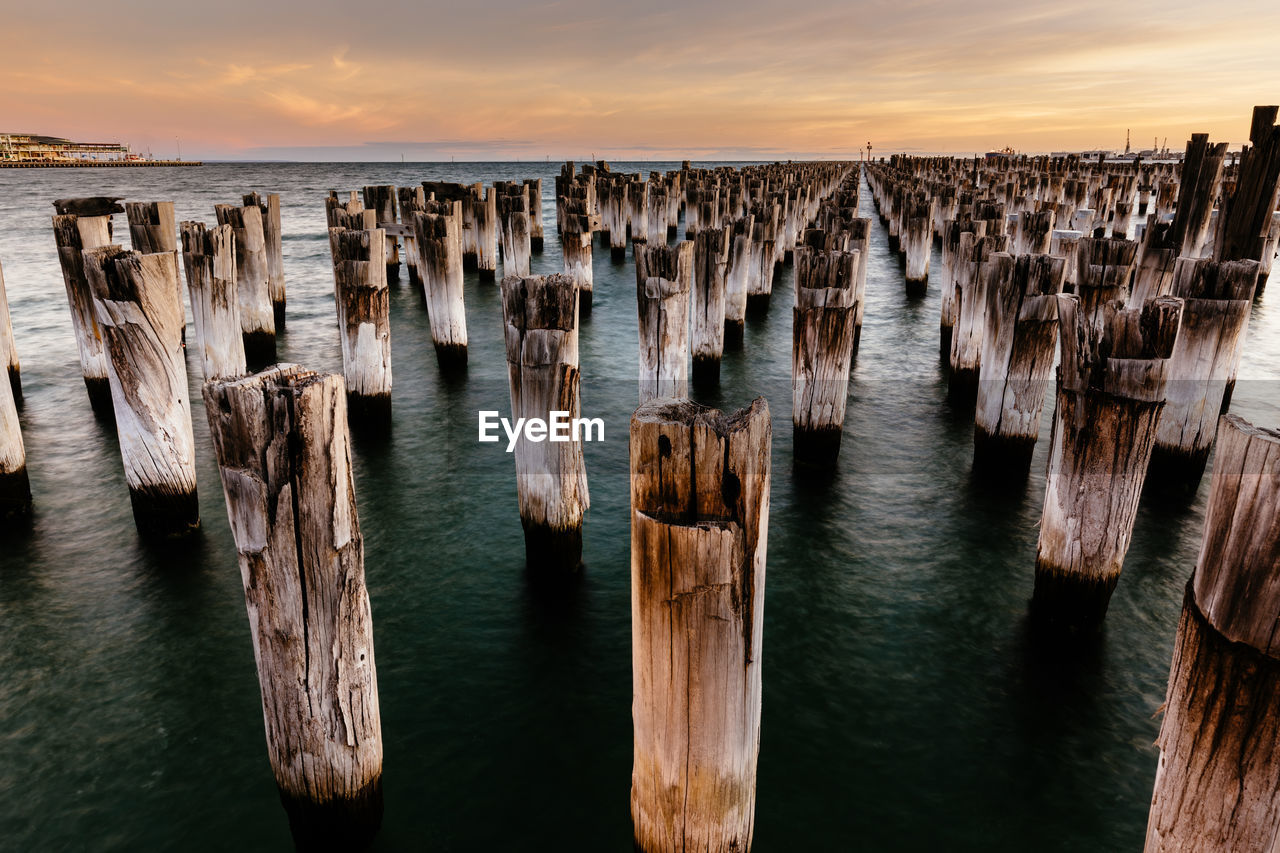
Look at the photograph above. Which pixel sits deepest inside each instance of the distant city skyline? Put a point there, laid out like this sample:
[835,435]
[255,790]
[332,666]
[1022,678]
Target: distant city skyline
[497,80]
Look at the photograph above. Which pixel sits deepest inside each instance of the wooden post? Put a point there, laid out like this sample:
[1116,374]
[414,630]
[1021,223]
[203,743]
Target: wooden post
[710,260]
[1201,182]
[209,258]
[1218,780]
[655,216]
[439,244]
[363,302]
[1017,357]
[1248,213]
[74,234]
[663,280]
[737,273]
[576,248]
[515,239]
[381,199]
[284,452]
[533,186]
[1035,233]
[136,304]
[153,230]
[9,352]
[273,240]
[540,314]
[822,330]
[956,253]
[1065,244]
[1104,268]
[699,536]
[15,489]
[484,215]
[637,211]
[1217,297]
[413,201]
[1111,386]
[764,251]
[970,305]
[860,241]
[917,242]
[257,317]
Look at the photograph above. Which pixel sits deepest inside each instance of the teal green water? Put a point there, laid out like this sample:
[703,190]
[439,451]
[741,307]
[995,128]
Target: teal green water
[904,706]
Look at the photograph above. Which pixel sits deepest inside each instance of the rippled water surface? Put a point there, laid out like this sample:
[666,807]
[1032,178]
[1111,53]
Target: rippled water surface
[904,706]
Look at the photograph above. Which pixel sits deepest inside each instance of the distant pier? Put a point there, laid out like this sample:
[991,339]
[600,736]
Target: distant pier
[93,164]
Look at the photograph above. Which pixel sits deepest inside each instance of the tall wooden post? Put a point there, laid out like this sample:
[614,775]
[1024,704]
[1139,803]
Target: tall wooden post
[664,277]
[699,536]
[363,302]
[971,275]
[575,239]
[1111,386]
[257,317]
[135,300]
[1218,781]
[285,456]
[483,205]
[273,240]
[75,233]
[822,329]
[710,260]
[533,186]
[439,243]
[1201,182]
[153,230]
[209,257]
[541,320]
[917,242]
[737,272]
[8,351]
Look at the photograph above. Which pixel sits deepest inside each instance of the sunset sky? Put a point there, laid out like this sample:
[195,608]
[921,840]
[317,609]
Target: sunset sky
[497,79]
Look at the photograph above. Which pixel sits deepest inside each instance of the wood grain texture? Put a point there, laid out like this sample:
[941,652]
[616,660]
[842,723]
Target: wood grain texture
[363,304]
[710,261]
[257,317]
[73,235]
[209,259]
[663,281]
[439,248]
[821,350]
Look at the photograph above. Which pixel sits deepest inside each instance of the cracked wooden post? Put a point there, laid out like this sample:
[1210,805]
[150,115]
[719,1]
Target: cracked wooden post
[736,274]
[483,205]
[1065,243]
[710,260]
[655,215]
[699,537]
[1034,233]
[917,242]
[1104,268]
[764,256]
[970,306]
[273,240]
[439,247]
[616,205]
[8,351]
[1217,297]
[209,258]
[89,228]
[860,241]
[540,316]
[412,201]
[363,303]
[381,199]
[257,317]
[136,304]
[1217,783]
[284,452]
[1111,386]
[153,230]
[515,235]
[15,489]
[575,239]
[664,277]
[1199,187]
[1017,358]
[956,250]
[537,237]
[822,328]
[637,208]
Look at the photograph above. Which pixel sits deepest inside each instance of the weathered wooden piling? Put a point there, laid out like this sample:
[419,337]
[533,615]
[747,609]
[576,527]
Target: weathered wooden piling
[637,213]
[537,237]
[917,243]
[153,230]
[483,207]
[1017,358]
[710,260]
[1104,268]
[764,254]
[412,201]
[575,240]
[273,240]
[699,537]
[284,453]
[540,314]
[1201,181]
[439,242]
[15,488]
[1217,297]
[737,271]
[1034,235]
[135,301]
[8,351]
[1217,784]
[381,199]
[363,303]
[822,330]
[664,277]
[1111,386]
[1064,243]
[209,259]
[74,234]
[257,316]
[515,241]
[971,281]
[859,232]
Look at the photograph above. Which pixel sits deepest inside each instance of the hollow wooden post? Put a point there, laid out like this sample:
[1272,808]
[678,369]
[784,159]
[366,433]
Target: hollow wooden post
[664,277]
[710,260]
[1218,780]
[273,240]
[576,245]
[821,351]
[1111,386]
[737,272]
[1017,357]
[136,304]
[533,186]
[381,199]
[617,203]
[74,234]
[257,317]
[363,302]
[15,489]
[1217,297]
[284,453]
[540,314]
[439,244]
[209,258]
[8,351]
[699,536]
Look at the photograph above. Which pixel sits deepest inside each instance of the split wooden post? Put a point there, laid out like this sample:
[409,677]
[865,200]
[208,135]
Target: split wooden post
[284,453]
[737,273]
[136,304]
[439,244]
[381,199]
[699,537]
[8,351]
[710,260]
[15,489]
[153,230]
[1111,386]
[1017,358]
[257,317]
[209,258]
[363,302]
[1218,780]
[75,233]
[273,239]
[664,277]
[1199,187]
[821,351]
[540,315]
[1104,268]
[971,276]
[575,240]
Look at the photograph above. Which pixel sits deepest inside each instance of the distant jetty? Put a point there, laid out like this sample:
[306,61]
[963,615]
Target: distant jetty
[28,151]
